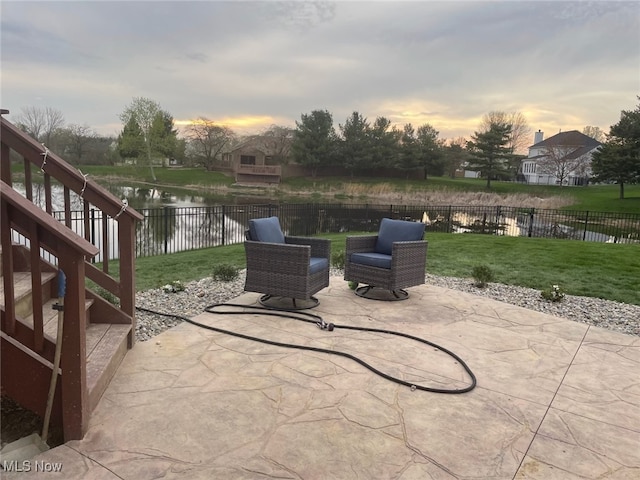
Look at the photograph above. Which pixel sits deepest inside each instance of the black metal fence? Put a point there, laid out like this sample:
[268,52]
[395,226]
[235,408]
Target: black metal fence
[171,230]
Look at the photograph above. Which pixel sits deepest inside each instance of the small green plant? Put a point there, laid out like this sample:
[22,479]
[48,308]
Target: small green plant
[107,295]
[337,259]
[553,294]
[225,272]
[353,285]
[173,287]
[482,275]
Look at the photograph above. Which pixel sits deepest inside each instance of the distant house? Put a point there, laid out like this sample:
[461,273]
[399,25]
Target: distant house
[250,163]
[564,159]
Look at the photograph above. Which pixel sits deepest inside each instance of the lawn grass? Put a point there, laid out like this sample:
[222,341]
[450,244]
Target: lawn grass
[601,270]
[182,176]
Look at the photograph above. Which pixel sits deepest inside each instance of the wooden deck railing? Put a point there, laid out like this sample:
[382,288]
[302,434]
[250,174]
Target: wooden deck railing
[275,170]
[73,254]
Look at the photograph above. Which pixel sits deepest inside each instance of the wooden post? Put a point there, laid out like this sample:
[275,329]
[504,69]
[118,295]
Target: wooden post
[126,244]
[75,398]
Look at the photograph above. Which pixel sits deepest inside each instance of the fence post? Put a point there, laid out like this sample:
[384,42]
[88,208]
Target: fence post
[586,220]
[223,224]
[531,222]
[165,211]
[449,226]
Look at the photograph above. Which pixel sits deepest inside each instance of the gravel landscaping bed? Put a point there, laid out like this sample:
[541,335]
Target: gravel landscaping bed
[621,317]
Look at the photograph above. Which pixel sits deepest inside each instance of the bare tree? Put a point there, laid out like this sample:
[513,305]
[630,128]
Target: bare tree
[40,123]
[207,139]
[561,162]
[455,155]
[144,112]
[277,142]
[79,138]
[594,132]
[520,137]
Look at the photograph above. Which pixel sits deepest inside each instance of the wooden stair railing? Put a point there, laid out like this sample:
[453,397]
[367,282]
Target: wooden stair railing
[43,231]
[73,255]
[114,211]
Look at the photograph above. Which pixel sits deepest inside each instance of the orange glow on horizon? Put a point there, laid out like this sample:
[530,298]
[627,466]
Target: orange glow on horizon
[244,123]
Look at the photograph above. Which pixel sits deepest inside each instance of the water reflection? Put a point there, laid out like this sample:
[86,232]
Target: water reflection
[176,221]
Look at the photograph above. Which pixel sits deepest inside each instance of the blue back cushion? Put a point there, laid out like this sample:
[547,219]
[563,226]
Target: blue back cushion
[266,230]
[397,231]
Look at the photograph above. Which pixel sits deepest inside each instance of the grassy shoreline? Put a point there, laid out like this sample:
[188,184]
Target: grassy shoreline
[601,198]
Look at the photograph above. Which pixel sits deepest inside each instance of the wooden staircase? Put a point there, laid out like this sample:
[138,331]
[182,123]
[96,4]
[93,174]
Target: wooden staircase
[34,248]
[106,343]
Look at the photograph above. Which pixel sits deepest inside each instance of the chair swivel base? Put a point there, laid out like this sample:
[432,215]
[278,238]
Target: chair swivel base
[286,303]
[371,292]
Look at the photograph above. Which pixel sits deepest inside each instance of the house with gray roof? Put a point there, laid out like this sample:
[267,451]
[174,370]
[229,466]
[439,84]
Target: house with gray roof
[563,159]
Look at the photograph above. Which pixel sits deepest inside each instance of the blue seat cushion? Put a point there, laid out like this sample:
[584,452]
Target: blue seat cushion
[379,260]
[397,231]
[266,230]
[317,264]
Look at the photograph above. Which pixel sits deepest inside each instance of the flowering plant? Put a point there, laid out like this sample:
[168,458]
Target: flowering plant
[173,287]
[553,294]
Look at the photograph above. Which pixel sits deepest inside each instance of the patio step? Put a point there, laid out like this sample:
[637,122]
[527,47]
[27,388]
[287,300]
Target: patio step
[107,345]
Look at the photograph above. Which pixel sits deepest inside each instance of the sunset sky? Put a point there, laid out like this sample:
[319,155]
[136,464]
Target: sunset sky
[564,65]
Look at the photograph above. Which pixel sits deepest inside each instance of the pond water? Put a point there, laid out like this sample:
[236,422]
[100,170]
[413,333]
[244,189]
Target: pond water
[141,197]
[177,220]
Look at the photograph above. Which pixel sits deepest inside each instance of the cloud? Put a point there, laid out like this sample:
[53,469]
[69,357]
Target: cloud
[562,64]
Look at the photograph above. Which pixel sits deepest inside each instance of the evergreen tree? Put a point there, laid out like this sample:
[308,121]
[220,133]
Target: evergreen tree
[430,150]
[164,138]
[618,159]
[385,144]
[355,146]
[131,140]
[491,151]
[409,158]
[314,141]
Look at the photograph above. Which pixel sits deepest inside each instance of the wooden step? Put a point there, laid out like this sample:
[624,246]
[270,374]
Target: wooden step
[22,291]
[107,345]
[50,318]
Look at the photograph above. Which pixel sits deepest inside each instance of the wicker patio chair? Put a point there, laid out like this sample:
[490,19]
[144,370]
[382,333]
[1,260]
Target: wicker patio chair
[391,261]
[285,267]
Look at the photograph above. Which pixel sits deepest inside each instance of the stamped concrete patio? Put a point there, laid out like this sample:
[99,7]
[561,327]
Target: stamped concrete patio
[555,399]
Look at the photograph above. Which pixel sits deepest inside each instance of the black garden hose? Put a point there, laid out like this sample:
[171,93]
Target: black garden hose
[319,322]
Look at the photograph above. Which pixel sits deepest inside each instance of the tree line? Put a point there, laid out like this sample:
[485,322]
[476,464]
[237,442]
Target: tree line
[149,137]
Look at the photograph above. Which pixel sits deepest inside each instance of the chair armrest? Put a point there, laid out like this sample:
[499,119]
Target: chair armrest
[360,244]
[277,257]
[409,255]
[320,247]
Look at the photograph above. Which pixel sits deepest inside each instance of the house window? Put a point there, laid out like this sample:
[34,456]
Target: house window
[247,160]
